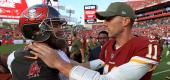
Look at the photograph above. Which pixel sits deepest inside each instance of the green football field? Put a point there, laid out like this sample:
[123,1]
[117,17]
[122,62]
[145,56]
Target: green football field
[163,68]
[8,48]
[160,73]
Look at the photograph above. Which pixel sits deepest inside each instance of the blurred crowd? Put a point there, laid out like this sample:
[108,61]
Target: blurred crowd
[8,35]
[153,22]
[143,3]
[157,27]
[15,34]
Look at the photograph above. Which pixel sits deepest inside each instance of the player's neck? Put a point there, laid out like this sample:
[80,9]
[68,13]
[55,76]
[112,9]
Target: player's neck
[123,38]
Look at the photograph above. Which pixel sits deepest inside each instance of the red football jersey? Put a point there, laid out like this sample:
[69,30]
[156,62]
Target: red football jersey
[136,47]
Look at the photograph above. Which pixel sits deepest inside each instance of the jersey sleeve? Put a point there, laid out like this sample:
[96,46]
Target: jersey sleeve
[147,52]
[136,71]
[10,59]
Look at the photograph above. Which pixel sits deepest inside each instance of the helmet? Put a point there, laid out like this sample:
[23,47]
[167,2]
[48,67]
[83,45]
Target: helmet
[38,22]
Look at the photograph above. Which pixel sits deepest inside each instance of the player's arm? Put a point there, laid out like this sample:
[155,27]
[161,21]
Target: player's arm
[145,58]
[94,64]
[129,71]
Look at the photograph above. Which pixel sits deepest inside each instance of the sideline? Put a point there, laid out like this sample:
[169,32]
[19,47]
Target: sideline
[168,70]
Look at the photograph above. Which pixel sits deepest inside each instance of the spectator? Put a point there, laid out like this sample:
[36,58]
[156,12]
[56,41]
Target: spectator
[93,43]
[85,48]
[77,51]
[95,52]
[102,38]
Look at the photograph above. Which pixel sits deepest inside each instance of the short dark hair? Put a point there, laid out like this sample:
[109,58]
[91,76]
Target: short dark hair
[131,23]
[103,32]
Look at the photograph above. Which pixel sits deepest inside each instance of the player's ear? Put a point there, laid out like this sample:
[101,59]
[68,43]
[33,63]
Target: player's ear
[126,21]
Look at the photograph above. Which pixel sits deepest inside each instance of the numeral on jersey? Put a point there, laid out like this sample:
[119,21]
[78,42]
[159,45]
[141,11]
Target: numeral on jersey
[149,55]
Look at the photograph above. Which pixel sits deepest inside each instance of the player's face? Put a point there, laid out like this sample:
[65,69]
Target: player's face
[56,40]
[103,38]
[115,26]
[58,29]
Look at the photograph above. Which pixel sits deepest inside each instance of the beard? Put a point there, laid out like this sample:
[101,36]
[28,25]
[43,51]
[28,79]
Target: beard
[56,43]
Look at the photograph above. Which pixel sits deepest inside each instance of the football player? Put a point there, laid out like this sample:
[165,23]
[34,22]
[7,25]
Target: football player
[42,24]
[124,57]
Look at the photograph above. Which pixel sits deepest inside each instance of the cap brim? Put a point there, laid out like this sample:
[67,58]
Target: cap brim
[104,15]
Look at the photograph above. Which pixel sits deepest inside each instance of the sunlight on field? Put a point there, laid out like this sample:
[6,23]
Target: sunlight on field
[163,69]
[8,48]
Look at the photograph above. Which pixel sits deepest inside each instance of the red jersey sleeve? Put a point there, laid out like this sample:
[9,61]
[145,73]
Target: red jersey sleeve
[147,51]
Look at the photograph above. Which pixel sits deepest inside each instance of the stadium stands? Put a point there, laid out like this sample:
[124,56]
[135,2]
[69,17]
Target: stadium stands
[139,4]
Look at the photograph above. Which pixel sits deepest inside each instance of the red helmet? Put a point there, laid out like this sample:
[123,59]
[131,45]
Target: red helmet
[37,22]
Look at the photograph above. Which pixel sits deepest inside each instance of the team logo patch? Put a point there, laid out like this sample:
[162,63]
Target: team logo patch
[34,70]
[33,15]
[123,12]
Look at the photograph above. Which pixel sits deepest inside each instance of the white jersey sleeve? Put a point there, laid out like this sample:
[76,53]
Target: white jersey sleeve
[63,55]
[96,64]
[10,58]
[128,71]
[65,58]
